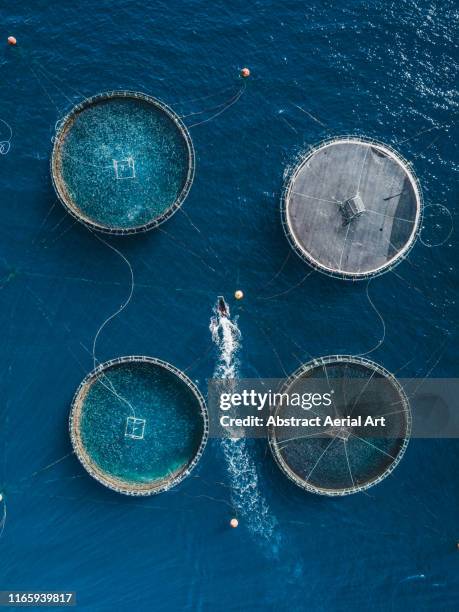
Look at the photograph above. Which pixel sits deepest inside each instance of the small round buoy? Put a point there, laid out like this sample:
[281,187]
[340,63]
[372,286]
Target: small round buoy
[245,73]
[457,544]
[1,497]
[234,523]
[12,40]
[239,294]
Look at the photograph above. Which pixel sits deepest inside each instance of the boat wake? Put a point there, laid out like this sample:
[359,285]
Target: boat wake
[242,470]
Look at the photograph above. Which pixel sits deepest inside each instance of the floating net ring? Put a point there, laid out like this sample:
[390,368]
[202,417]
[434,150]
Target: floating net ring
[138,425]
[352,207]
[337,460]
[122,162]
[5,143]
[438,226]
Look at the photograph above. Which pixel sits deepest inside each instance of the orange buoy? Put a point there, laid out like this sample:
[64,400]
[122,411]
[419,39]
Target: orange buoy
[12,40]
[245,72]
[239,294]
[234,523]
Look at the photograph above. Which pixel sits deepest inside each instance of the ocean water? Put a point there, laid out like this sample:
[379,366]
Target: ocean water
[386,70]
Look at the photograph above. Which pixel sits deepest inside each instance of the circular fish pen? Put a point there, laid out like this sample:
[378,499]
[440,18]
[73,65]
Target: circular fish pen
[122,162]
[352,207]
[338,460]
[138,425]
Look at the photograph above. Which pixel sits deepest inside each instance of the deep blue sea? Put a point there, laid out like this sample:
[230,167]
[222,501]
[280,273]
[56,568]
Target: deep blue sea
[383,69]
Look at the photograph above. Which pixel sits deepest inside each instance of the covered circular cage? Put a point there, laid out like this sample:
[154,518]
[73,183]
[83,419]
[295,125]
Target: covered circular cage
[344,456]
[138,425]
[122,162]
[352,207]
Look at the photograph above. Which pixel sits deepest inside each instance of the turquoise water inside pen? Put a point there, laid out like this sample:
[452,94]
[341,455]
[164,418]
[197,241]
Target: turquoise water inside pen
[124,162]
[386,70]
[140,423]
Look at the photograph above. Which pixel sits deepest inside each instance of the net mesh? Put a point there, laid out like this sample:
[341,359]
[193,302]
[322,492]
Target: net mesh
[341,460]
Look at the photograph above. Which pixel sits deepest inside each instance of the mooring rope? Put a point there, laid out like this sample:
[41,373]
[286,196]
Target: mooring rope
[202,235]
[424,131]
[383,337]
[3,519]
[123,306]
[444,209]
[228,105]
[310,115]
[287,291]
[187,249]
[126,301]
[278,273]
[213,108]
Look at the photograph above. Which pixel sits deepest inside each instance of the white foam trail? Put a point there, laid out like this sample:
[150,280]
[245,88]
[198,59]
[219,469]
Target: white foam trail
[242,469]
[226,335]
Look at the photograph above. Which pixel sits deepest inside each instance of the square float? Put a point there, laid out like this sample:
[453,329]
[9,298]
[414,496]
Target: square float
[124,168]
[135,428]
